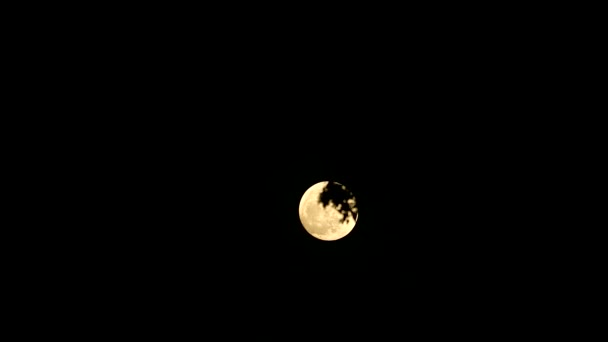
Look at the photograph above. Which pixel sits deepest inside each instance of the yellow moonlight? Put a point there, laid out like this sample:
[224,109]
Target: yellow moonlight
[326,223]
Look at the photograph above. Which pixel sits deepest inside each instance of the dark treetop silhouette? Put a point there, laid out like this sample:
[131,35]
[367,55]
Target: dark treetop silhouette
[341,198]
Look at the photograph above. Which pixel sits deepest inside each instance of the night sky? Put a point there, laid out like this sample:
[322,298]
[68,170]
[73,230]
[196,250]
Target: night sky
[222,195]
[201,163]
[187,139]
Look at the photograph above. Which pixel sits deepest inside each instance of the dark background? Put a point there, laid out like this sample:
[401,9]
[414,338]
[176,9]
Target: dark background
[168,149]
[206,176]
[196,142]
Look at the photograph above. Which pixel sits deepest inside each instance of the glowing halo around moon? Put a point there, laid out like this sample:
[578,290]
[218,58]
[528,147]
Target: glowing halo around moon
[324,223]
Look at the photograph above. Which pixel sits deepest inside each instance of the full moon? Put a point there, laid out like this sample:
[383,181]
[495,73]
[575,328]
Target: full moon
[333,221]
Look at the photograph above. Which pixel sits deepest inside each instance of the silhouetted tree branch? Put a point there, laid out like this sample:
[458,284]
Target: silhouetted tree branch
[341,198]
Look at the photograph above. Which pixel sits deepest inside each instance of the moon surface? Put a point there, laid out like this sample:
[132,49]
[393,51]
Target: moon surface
[324,223]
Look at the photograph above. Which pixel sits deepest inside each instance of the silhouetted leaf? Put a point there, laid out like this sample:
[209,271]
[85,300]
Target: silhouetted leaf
[340,197]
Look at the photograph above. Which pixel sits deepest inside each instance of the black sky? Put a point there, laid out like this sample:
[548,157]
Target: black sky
[437,192]
[187,138]
[203,151]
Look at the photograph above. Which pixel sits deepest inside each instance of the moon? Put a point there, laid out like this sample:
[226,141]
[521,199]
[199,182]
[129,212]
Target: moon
[327,223]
